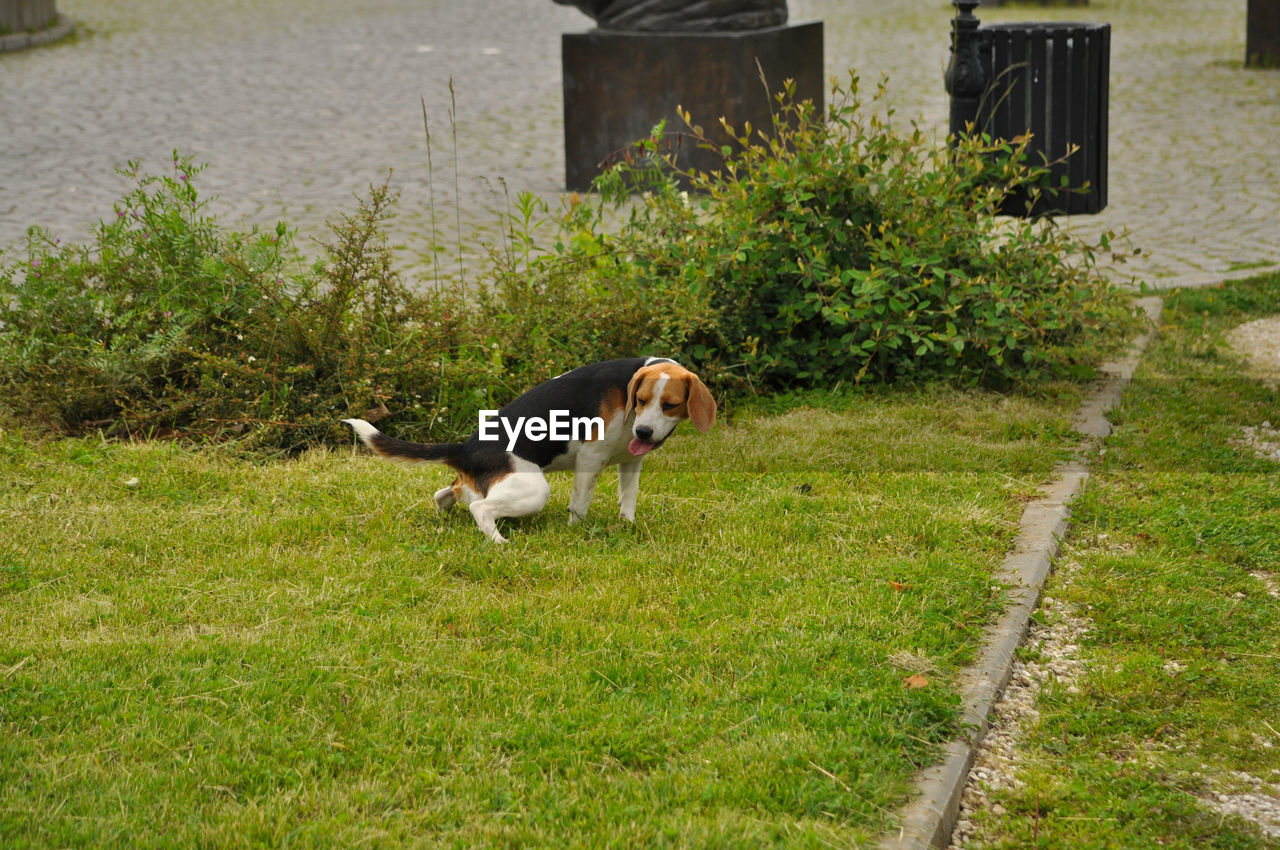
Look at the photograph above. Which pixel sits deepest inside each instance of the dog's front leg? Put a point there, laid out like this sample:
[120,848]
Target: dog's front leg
[628,488]
[587,466]
[584,488]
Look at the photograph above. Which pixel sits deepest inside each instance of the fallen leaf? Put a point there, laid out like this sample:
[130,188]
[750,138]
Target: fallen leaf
[915,680]
[898,586]
[375,413]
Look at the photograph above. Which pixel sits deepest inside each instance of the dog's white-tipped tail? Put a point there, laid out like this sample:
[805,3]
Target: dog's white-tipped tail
[390,447]
[364,430]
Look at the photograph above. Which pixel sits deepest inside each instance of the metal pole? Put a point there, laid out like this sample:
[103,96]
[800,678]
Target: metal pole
[965,77]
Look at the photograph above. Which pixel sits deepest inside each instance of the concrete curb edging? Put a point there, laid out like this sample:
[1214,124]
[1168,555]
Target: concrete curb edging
[928,820]
[1202,280]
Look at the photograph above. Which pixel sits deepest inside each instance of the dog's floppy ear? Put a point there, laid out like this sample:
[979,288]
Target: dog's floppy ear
[632,386]
[702,406]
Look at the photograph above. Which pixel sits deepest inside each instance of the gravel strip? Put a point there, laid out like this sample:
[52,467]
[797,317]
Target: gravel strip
[1259,806]
[1259,342]
[929,819]
[1263,440]
[1056,647]
[1056,643]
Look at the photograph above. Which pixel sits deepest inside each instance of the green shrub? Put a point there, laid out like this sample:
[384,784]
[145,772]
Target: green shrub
[93,331]
[165,324]
[579,299]
[830,251]
[840,250]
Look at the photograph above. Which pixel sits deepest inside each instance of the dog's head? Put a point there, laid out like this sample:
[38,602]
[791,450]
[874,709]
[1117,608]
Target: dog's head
[661,394]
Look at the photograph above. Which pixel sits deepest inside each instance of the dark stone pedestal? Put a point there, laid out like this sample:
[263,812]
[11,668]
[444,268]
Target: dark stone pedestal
[1262,41]
[31,23]
[618,85]
[26,15]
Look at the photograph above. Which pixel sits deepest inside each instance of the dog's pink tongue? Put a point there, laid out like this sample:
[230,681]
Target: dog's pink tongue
[638,448]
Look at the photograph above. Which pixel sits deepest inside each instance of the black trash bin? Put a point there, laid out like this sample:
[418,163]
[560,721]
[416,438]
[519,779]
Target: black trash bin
[1050,79]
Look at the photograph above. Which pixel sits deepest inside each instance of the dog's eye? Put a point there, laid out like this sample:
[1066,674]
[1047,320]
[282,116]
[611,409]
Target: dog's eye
[668,405]
[643,402]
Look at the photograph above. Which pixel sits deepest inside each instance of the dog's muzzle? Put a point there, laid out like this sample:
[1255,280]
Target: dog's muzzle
[643,442]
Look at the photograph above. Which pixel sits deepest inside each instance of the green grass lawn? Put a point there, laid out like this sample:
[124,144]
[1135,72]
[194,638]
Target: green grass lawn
[1177,543]
[197,650]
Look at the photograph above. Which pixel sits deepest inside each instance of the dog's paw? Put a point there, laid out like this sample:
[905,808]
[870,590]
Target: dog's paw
[445,498]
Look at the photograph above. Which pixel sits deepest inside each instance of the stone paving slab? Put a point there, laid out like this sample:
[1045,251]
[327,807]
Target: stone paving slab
[295,105]
[1194,162]
[298,104]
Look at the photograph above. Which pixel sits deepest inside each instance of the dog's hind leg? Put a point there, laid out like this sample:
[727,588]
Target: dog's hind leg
[521,493]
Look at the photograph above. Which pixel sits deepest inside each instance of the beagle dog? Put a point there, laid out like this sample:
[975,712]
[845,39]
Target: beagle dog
[594,416]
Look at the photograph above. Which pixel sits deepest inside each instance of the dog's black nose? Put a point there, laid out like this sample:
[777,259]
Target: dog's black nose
[644,432]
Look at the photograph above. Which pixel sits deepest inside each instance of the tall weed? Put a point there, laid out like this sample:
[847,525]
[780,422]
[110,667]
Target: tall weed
[164,325]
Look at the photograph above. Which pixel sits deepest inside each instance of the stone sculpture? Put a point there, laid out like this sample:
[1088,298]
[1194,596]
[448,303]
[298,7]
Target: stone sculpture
[683,15]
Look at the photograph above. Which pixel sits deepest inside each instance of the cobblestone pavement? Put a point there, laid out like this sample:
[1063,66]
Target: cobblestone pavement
[1194,168]
[299,104]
